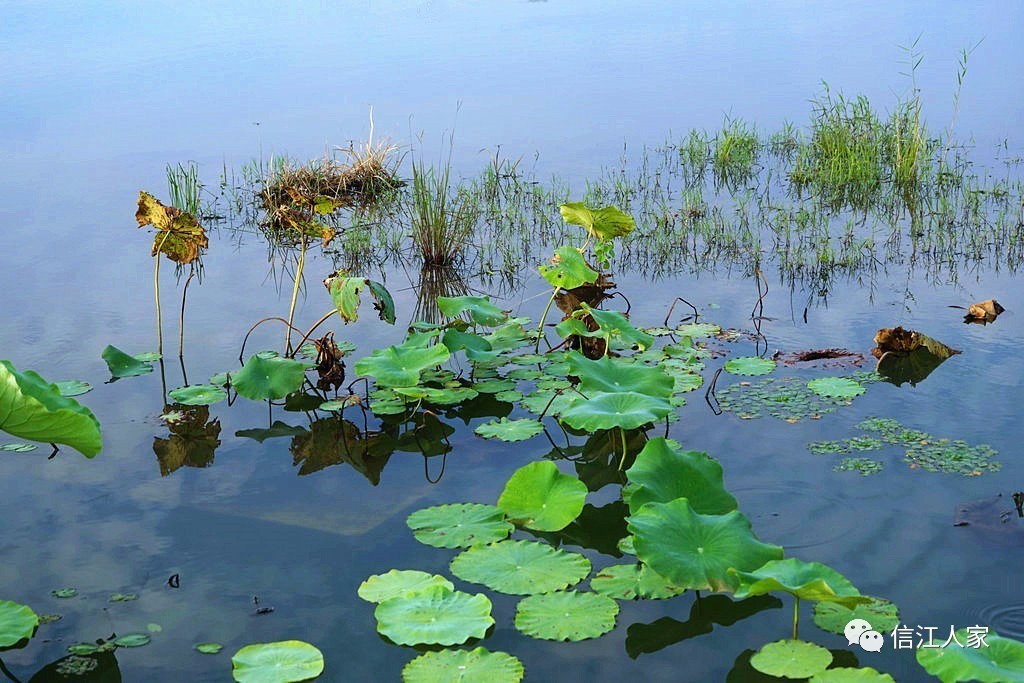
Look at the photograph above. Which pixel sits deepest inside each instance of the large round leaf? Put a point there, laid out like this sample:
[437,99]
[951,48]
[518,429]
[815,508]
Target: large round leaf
[481,310]
[631,582]
[463,666]
[281,662]
[17,622]
[510,430]
[1002,661]
[32,408]
[605,223]
[833,617]
[566,615]
[434,615]
[198,395]
[568,269]
[538,496]
[791,659]
[696,551]
[381,587]
[616,375]
[400,366]
[804,580]
[662,473]
[263,378]
[750,366]
[460,525]
[845,674]
[626,410]
[520,567]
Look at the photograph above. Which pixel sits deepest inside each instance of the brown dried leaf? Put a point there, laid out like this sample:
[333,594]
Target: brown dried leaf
[983,312]
[179,235]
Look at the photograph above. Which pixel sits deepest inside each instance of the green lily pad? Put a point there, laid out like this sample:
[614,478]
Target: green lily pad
[866,466]
[340,404]
[287,661]
[481,310]
[538,496]
[791,659]
[804,580]
[209,648]
[269,378]
[605,224]
[17,622]
[554,403]
[615,328]
[465,666]
[18,447]
[846,674]
[510,430]
[696,551]
[611,375]
[566,615]
[442,397]
[953,456]
[520,567]
[751,366]
[460,525]
[833,617]
[509,397]
[836,387]
[434,615]
[686,381]
[662,474]
[626,410]
[73,387]
[147,356]
[568,269]
[198,395]
[698,330]
[132,640]
[1002,661]
[632,582]
[124,597]
[381,587]
[400,366]
[123,365]
[32,408]
[494,386]
[64,593]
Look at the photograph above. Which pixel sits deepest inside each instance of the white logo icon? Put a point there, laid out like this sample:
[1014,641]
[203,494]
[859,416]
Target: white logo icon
[859,632]
[871,641]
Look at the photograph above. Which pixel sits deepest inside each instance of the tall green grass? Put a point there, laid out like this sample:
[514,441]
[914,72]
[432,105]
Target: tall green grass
[183,187]
[442,218]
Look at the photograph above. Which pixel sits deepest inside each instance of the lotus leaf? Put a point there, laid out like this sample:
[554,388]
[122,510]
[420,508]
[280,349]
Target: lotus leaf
[64,593]
[459,525]
[626,410]
[400,366]
[538,496]
[615,328]
[494,386]
[508,337]
[866,466]
[31,408]
[509,396]
[791,659]
[18,447]
[149,356]
[997,660]
[434,615]
[510,430]
[132,640]
[566,615]
[833,616]
[749,366]
[614,375]
[123,365]
[345,291]
[529,359]
[179,235]
[474,344]
[73,387]
[124,597]
[804,580]
[662,473]
[631,582]
[698,330]
[198,395]
[520,567]
[845,674]
[836,387]
[481,310]
[17,622]
[209,648]
[696,551]
[441,397]
[553,403]
[604,224]
[569,270]
[269,378]
[381,587]
[686,381]
[287,661]
[340,404]
[463,666]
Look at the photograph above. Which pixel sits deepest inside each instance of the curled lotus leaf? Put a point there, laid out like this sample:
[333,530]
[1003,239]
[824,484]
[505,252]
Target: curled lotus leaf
[606,223]
[750,366]
[538,496]
[520,567]
[568,269]
[17,622]
[179,235]
[804,580]
[466,666]
[287,661]
[566,615]
[480,309]
[510,430]
[435,615]
[32,408]
[662,473]
[459,525]
[73,387]
[263,378]
[123,365]
[626,410]
[998,660]
[381,587]
[345,291]
[615,375]
[791,659]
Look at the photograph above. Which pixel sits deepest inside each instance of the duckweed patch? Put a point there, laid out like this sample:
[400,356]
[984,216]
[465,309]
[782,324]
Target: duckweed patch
[785,398]
[866,466]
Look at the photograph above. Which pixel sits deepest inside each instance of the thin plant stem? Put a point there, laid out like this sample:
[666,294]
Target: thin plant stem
[317,324]
[796,618]
[622,461]
[156,295]
[181,319]
[295,296]
[543,317]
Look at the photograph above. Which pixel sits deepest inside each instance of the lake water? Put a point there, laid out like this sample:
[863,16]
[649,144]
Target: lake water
[97,100]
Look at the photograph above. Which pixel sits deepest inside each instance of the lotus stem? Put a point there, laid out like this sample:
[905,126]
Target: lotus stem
[622,461]
[156,295]
[295,295]
[543,317]
[318,323]
[181,319]
[241,352]
[796,618]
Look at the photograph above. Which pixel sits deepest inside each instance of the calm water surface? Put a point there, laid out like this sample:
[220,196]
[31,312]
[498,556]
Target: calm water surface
[98,99]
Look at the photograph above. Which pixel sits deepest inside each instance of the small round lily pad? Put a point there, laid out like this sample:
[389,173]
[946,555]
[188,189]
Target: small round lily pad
[751,366]
[459,525]
[133,640]
[836,387]
[510,430]
[209,648]
[566,615]
[73,387]
[381,587]
[286,661]
[698,330]
[478,665]
[631,582]
[198,395]
[791,659]
[64,592]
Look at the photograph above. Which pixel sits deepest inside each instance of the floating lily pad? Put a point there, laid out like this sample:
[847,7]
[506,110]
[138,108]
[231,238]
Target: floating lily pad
[494,386]
[554,403]
[662,474]
[698,330]
[509,397]
[64,593]
[209,648]
[633,581]
[538,496]
[465,666]
[786,398]
[132,640]
[400,366]
[804,580]
[18,447]
[626,410]
[791,659]
[953,456]
[520,567]
[442,397]
[686,381]
[1000,662]
[616,375]
[510,430]
[866,466]
[17,622]
[460,525]
[836,387]
[287,661]
[73,387]
[749,365]
[696,551]
[846,674]
[123,365]
[833,617]
[566,615]
[269,378]
[434,615]
[124,597]
[340,404]
[198,395]
[381,587]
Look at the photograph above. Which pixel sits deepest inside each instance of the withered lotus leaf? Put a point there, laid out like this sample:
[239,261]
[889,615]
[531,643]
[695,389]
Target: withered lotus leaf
[179,235]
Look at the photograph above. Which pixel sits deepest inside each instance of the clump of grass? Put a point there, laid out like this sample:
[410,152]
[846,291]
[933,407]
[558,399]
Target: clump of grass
[442,218]
[183,187]
[735,152]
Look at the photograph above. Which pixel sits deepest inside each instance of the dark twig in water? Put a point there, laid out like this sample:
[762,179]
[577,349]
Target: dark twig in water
[181,318]
[317,324]
[673,306]
[241,352]
[759,306]
[629,306]
[710,393]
